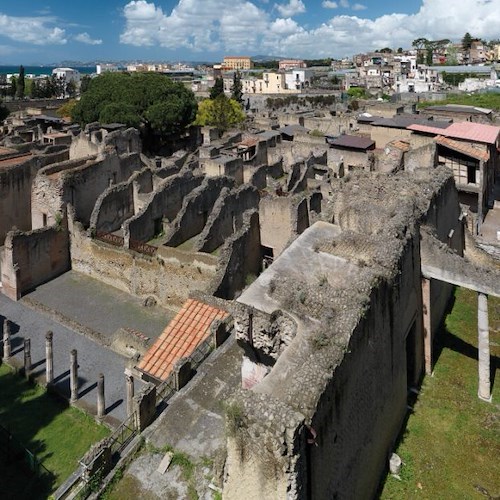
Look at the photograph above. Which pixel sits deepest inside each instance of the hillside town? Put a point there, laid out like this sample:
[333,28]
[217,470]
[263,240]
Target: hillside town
[241,271]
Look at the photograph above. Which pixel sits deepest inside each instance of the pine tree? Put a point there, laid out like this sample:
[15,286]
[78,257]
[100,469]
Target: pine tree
[218,88]
[237,88]
[20,83]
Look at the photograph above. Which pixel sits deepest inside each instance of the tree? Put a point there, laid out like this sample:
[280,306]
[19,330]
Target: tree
[13,86]
[84,83]
[467,41]
[154,103]
[66,109]
[400,50]
[218,88]
[20,83]
[237,88]
[70,89]
[220,112]
[4,112]
[419,44]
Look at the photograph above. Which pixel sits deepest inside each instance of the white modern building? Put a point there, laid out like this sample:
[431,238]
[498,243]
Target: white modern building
[68,74]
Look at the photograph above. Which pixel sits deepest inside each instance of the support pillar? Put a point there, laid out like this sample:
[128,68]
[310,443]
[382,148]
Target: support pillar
[130,392]
[427,324]
[6,339]
[49,359]
[484,391]
[27,357]
[100,396]
[73,375]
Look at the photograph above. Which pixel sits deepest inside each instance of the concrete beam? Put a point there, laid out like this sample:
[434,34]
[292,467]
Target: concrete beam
[483,347]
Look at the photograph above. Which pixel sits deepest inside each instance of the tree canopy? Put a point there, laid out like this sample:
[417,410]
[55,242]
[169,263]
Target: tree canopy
[4,112]
[237,88]
[20,83]
[467,41]
[150,101]
[218,88]
[220,112]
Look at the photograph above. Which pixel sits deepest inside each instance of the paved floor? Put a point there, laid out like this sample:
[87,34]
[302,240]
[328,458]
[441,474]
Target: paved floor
[92,358]
[99,306]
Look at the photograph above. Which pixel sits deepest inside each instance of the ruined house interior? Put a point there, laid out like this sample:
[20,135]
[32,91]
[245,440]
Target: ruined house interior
[331,263]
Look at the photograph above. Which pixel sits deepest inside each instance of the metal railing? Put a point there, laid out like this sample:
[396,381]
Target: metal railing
[122,436]
[110,238]
[144,248]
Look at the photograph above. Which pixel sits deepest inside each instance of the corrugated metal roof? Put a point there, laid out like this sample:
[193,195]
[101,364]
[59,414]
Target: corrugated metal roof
[189,328]
[293,129]
[352,141]
[469,131]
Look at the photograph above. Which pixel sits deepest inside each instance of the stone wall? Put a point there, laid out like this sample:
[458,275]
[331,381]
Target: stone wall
[227,217]
[32,258]
[15,190]
[164,205]
[169,276]
[383,135]
[292,151]
[421,156]
[195,210]
[242,258]
[113,208]
[281,219]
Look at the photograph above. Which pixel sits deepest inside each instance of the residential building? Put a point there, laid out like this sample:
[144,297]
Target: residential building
[298,78]
[237,62]
[67,74]
[287,64]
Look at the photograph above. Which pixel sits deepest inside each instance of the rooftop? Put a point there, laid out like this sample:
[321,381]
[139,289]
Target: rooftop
[352,142]
[465,130]
[463,148]
[189,328]
[456,108]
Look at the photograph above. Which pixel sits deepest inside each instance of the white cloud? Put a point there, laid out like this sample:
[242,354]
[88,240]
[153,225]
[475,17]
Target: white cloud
[328,4]
[240,26]
[35,30]
[291,8]
[358,6]
[344,3]
[86,38]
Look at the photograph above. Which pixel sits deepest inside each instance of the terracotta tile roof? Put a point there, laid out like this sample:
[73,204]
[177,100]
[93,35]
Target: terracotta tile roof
[402,145]
[464,130]
[462,147]
[189,328]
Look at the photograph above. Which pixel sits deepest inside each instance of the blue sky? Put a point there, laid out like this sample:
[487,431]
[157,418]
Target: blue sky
[43,31]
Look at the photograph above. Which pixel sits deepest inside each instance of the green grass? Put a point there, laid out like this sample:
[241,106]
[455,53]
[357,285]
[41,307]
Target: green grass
[451,446]
[491,101]
[58,434]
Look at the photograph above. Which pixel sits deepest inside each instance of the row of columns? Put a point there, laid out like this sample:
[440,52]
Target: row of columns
[484,382]
[73,370]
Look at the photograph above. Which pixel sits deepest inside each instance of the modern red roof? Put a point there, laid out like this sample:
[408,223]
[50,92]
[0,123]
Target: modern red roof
[464,130]
[189,328]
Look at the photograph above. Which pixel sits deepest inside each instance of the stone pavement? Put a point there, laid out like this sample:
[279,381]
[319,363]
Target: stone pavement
[92,358]
[100,307]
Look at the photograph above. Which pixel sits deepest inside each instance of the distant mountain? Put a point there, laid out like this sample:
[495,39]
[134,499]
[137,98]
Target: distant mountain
[261,58]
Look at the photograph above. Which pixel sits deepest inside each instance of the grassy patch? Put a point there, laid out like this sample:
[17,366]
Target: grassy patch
[491,101]
[452,441]
[59,435]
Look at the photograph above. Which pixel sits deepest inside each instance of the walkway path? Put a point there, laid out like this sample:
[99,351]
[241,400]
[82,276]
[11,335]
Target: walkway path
[92,358]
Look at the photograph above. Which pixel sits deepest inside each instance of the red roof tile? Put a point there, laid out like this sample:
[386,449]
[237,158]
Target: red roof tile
[464,130]
[462,147]
[189,328]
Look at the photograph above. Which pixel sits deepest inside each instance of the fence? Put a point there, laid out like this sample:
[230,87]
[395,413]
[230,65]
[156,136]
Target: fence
[15,451]
[122,436]
[110,238]
[118,241]
[144,248]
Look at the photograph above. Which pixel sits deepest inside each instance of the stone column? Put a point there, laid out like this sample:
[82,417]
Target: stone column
[73,375]
[27,357]
[427,324]
[49,359]
[6,339]
[130,392]
[483,347]
[100,396]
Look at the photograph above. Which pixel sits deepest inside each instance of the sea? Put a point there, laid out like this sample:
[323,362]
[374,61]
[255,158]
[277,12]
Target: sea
[43,70]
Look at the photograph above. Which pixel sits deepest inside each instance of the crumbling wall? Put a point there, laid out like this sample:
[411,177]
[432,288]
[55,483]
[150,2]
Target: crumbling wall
[15,190]
[164,204]
[292,151]
[196,206]
[113,208]
[227,217]
[169,276]
[32,258]
[241,258]
[281,218]
[420,157]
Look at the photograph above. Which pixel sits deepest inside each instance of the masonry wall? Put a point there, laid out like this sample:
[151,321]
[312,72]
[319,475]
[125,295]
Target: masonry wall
[32,258]
[15,191]
[169,276]
[195,210]
[353,160]
[383,135]
[281,218]
[227,217]
[165,203]
[421,156]
[113,208]
[291,151]
[242,257]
